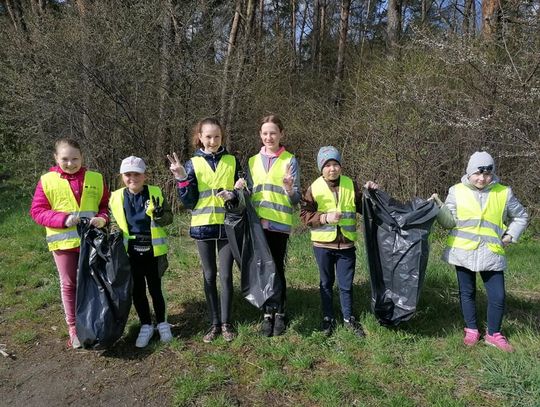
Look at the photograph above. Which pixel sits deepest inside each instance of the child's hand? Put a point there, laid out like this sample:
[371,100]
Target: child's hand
[240,184]
[225,195]
[72,220]
[437,200]
[371,185]
[333,218]
[506,240]
[288,180]
[98,222]
[176,167]
[158,209]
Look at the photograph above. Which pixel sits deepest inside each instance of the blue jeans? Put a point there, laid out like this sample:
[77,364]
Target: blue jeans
[332,263]
[494,284]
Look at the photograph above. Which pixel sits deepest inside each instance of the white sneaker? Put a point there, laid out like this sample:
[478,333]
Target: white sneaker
[165,334]
[145,334]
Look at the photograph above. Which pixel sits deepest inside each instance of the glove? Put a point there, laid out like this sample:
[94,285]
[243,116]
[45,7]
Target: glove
[158,209]
[225,195]
[333,218]
[437,200]
[506,240]
[98,222]
[72,220]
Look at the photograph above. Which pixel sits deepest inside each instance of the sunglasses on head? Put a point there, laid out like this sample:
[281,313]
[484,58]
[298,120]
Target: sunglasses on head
[485,169]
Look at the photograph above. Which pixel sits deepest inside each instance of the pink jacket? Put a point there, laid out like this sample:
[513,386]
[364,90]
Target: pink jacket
[42,212]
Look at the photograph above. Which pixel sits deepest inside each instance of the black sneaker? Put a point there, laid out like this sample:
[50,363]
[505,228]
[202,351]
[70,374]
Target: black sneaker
[355,326]
[267,326]
[279,324]
[328,325]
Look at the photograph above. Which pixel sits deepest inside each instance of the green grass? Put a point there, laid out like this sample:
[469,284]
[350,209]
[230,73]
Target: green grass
[420,363]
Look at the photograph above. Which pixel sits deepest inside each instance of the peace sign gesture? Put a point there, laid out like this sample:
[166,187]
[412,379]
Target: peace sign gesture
[288,179]
[176,167]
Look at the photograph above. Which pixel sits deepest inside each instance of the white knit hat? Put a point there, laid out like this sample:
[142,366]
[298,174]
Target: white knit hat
[478,160]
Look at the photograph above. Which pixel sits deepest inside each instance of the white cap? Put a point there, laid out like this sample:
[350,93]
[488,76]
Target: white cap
[132,164]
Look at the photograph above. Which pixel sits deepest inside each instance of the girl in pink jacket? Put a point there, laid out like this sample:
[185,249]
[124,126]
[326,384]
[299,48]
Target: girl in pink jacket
[64,195]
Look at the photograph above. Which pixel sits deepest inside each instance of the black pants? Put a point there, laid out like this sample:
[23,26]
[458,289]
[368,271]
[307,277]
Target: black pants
[207,252]
[144,268]
[277,242]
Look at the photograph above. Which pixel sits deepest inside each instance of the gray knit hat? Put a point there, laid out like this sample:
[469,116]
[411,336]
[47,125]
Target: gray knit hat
[480,160]
[326,154]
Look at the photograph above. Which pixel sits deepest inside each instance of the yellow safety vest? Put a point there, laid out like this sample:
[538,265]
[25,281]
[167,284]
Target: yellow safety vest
[474,224]
[268,196]
[157,233]
[326,202]
[61,198]
[210,209]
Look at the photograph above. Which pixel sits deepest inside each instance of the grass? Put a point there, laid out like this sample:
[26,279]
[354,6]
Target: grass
[420,363]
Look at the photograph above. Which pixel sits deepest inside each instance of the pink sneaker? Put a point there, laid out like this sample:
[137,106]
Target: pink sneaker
[498,341]
[472,336]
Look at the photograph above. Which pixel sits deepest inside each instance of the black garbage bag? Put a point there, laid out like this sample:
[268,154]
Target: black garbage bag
[104,286]
[259,283]
[396,238]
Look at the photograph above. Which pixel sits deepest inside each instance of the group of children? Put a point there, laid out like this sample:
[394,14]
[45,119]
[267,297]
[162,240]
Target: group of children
[476,211]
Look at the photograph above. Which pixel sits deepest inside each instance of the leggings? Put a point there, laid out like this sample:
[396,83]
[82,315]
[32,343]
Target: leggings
[207,253]
[144,269]
[277,242]
[494,284]
[67,263]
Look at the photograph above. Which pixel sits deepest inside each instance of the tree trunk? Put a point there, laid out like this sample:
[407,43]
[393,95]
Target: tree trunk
[343,30]
[15,11]
[164,129]
[301,39]
[491,17]
[226,66]
[293,36]
[393,28]
[467,8]
[315,35]
[242,55]
[322,29]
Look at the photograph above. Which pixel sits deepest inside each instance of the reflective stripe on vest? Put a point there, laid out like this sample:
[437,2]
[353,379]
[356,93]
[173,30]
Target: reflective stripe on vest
[475,225]
[209,209]
[269,199]
[326,202]
[157,233]
[61,199]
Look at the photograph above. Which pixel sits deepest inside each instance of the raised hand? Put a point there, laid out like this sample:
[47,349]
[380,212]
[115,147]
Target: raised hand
[158,209]
[176,167]
[288,180]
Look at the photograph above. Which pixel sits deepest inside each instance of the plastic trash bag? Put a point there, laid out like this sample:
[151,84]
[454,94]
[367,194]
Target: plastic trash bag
[104,287]
[251,252]
[396,238]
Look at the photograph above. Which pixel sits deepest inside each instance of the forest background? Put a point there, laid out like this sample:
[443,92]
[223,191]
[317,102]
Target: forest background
[407,89]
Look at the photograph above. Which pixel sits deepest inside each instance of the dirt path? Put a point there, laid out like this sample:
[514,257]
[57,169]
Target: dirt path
[45,372]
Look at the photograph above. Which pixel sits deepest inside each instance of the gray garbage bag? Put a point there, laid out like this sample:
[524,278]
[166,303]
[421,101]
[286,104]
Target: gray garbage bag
[104,288]
[396,238]
[251,252]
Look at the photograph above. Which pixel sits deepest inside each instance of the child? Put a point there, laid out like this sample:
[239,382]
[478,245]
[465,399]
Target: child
[204,184]
[274,180]
[329,208]
[64,195]
[478,211]
[141,212]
